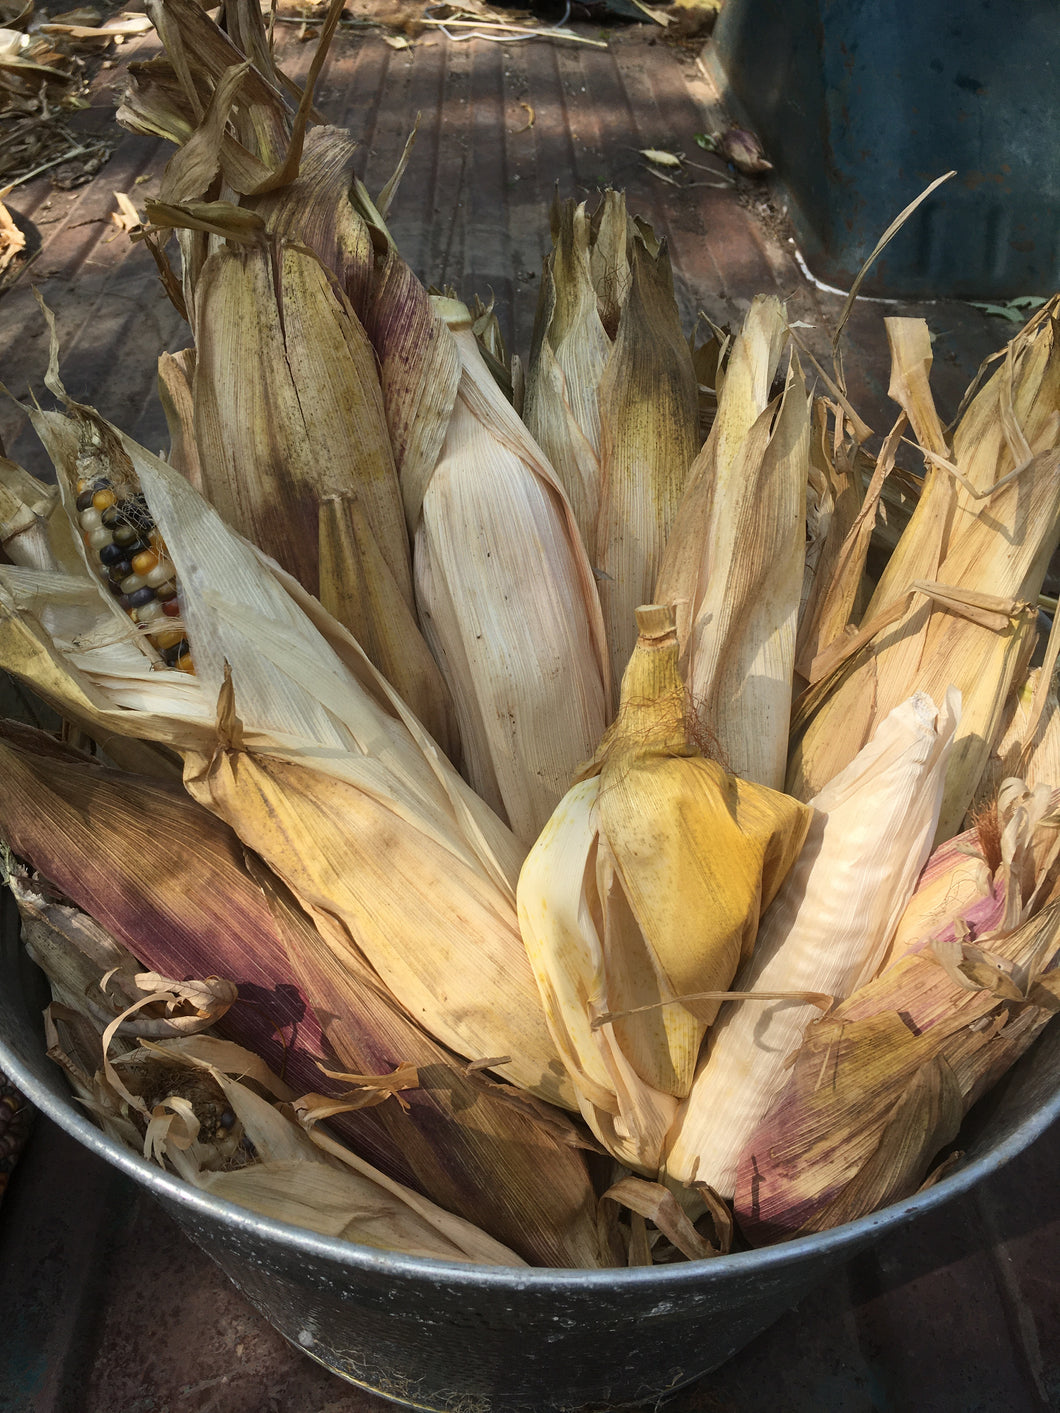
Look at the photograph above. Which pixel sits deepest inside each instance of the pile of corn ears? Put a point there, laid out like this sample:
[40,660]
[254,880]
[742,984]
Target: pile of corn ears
[518,814]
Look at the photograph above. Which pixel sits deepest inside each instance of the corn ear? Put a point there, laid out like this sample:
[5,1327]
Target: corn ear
[314,1183]
[643,891]
[242,619]
[734,563]
[906,1057]
[649,421]
[508,604]
[830,923]
[442,936]
[568,356]
[179,896]
[311,427]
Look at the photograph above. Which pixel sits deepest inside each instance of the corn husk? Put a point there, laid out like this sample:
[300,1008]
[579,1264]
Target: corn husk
[734,564]
[568,356]
[508,603]
[989,879]
[263,1159]
[643,891]
[428,921]
[176,373]
[836,597]
[311,425]
[971,620]
[906,1056]
[829,925]
[179,897]
[32,534]
[298,458]
[649,421]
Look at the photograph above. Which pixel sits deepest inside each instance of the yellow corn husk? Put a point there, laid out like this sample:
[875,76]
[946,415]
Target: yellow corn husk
[442,937]
[734,563]
[649,420]
[508,603]
[569,354]
[921,635]
[830,924]
[180,897]
[906,1057]
[643,891]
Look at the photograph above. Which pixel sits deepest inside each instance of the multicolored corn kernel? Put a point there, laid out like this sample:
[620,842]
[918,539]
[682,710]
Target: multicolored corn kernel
[123,540]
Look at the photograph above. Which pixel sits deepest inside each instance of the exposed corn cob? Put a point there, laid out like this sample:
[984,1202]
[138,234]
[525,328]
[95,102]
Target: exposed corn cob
[831,922]
[643,891]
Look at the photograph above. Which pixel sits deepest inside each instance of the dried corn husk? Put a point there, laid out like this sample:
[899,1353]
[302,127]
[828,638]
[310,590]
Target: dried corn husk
[989,879]
[734,565]
[830,924]
[179,897]
[649,420]
[298,458]
[508,604]
[441,935]
[568,356]
[292,1176]
[971,620]
[32,534]
[837,595]
[643,891]
[906,1057]
[176,373]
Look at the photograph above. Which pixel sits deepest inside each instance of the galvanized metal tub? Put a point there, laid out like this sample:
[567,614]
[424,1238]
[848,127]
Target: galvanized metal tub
[465,1339]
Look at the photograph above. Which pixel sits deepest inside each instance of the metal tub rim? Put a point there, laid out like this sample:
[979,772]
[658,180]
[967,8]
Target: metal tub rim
[174,1191]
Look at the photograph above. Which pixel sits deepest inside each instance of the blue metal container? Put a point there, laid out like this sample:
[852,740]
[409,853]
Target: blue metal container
[468,1339]
[860,104]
